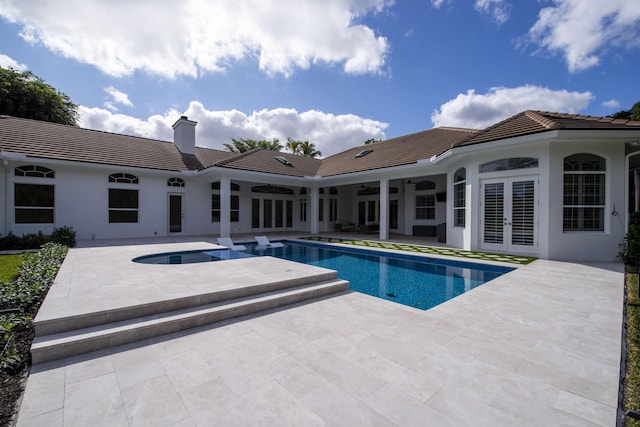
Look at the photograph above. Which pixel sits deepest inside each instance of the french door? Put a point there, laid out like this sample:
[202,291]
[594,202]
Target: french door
[175,213]
[509,212]
[269,214]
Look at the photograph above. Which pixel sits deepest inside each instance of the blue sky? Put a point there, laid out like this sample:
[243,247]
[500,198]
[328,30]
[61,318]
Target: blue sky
[334,72]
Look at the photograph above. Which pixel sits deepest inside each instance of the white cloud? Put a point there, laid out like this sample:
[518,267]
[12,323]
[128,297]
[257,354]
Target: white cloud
[330,133]
[196,36]
[8,62]
[116,97]
[499,10]
[583,31]
[612,103]
[437,3]
[478,111]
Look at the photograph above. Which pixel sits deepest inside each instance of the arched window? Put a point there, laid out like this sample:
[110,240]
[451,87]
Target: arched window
[271,189]
[34,171]
[175,182]
[459,197]
[509,164]
[34,203]
[425,185]
[123,178]
[584,192]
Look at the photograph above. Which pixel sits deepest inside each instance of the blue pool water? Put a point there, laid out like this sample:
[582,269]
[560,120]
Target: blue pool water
[415,281]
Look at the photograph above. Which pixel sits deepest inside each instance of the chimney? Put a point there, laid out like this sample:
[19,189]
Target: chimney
[184,135]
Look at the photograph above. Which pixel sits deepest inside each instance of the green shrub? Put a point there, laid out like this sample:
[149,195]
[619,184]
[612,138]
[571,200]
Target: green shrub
[20,300]
[63,235]
[630,253]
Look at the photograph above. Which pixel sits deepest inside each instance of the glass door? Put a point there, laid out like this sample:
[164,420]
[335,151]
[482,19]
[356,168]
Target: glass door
[175,213]
[509,215]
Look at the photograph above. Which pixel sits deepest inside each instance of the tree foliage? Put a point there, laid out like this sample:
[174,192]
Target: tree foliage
[241,145]
[302,148]
[631,114]
[23,94]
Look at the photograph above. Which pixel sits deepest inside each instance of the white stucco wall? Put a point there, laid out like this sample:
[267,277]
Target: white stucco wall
[588,245]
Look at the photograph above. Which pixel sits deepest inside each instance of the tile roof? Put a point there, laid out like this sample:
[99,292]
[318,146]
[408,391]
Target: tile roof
[55,141]
[531,122]
[260,160]
[398,151]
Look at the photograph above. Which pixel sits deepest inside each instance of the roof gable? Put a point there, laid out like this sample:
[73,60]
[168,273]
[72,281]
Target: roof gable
[531,122]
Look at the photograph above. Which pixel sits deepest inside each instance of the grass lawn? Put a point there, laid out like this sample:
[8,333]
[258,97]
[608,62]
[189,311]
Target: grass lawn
[9,267]
[632,378]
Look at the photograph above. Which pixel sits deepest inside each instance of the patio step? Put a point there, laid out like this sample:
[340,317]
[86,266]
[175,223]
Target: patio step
[80,341]
[134,311]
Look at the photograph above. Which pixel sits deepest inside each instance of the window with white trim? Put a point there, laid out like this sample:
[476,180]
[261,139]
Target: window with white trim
[584,192]
[459,197]
[426,206]
[123,202]
[34,202]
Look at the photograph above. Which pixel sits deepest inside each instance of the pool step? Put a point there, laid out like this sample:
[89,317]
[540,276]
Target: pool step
[79,341]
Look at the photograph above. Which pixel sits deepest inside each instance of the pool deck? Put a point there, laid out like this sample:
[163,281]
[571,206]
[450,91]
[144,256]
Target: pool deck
[537,346]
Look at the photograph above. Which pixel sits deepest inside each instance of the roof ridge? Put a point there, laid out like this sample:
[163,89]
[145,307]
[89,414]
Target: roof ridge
[485,130]
[78,127]
[238,157]
[458,129]
[541,118]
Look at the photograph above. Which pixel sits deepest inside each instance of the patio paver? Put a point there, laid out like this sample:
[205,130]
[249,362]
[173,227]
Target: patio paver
[537,346]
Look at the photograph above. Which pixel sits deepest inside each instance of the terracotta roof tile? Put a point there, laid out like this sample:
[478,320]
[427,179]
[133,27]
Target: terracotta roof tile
[260,160]
[531,122]
[398,151]
[55,141]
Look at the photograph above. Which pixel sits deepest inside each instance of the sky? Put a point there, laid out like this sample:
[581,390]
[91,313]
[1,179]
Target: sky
[333,72]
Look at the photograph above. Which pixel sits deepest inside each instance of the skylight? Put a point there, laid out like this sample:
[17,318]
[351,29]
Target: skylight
[284,161]
[364,152]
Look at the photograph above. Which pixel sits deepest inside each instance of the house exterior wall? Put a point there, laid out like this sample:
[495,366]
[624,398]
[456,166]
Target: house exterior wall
[588,245]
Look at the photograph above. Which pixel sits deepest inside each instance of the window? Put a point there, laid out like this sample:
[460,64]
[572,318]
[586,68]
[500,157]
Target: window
[425,185]
[508,164]
[303,210]
[364,152]
[123,178]
[333,209]
[459,197]
[584,193]
[426,206]
[123,203]
[284,161]
[175,182]
[320,210]
[34,203]
[234,208]
[34,171]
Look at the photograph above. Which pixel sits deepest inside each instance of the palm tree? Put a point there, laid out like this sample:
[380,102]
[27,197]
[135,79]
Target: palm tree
[308,149]
[293,145]
[241,145]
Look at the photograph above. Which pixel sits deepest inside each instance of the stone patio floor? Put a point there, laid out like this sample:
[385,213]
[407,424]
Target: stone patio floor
[539,346]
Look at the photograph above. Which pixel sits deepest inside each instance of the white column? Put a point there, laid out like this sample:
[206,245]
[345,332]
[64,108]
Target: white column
[384,209]
[313,209]
[225,207]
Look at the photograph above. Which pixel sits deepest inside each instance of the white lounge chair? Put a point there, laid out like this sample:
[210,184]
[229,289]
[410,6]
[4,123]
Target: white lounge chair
[263,243]
[226,241]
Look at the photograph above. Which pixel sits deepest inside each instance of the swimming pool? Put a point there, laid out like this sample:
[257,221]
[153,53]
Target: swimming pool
[416,281]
